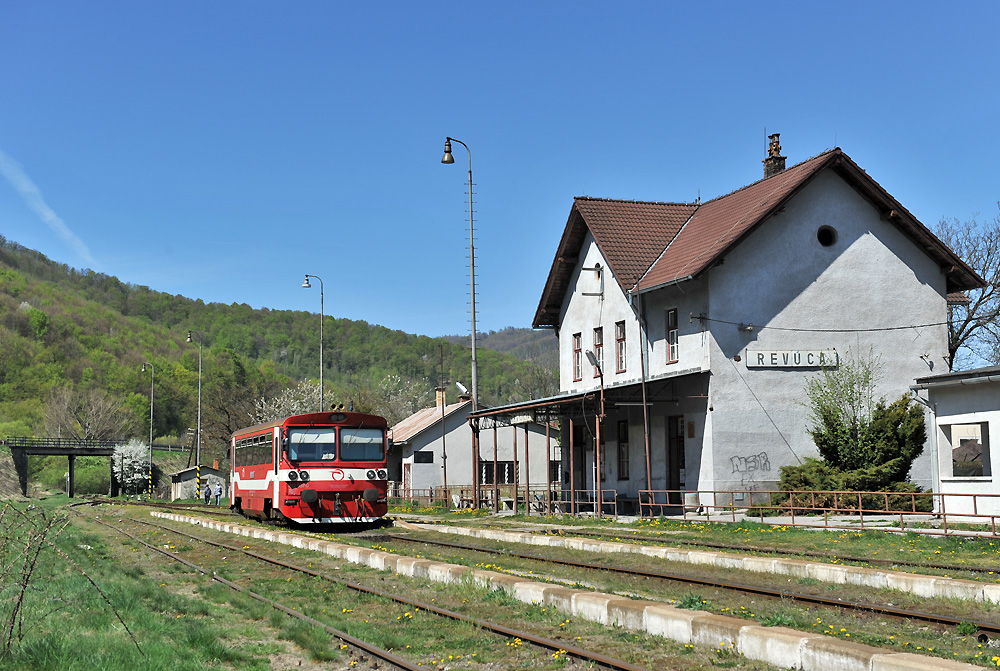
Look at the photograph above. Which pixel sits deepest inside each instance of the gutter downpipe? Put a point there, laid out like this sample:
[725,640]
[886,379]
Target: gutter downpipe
[935,455]
[645,408]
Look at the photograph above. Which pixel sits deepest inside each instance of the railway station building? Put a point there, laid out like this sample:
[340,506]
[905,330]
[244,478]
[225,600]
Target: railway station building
[687,330]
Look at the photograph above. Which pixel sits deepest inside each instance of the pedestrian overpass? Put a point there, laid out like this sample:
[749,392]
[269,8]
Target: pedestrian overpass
[21,447]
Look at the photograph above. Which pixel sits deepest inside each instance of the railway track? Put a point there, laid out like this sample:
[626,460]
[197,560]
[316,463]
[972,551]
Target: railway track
[552,645]
[920,616]
[191,507]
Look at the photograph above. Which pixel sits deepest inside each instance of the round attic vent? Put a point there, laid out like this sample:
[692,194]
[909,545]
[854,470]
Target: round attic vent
[826,235]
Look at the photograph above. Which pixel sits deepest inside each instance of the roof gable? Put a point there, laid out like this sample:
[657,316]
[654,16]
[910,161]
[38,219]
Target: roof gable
[630,234]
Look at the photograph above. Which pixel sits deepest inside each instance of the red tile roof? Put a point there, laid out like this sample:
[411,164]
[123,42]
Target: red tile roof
[631,234]
[650,244]
[721,223]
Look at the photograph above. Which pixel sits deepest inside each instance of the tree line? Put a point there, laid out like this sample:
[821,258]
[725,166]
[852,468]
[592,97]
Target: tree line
[75,342]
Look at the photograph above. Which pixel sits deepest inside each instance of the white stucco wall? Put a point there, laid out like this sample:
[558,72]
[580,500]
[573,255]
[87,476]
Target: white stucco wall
[583,313]
[781,277]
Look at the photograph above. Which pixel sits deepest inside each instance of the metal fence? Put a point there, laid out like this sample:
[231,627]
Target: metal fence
[928,512]
[533,500]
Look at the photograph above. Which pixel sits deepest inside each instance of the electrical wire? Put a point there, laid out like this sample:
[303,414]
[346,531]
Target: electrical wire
[802,330]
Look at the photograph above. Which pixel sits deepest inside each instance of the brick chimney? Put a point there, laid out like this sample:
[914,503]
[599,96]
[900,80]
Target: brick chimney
[774,163]
[439,397]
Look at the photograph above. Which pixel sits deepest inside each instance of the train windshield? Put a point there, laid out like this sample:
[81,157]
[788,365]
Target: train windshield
[362,445]
[318,444]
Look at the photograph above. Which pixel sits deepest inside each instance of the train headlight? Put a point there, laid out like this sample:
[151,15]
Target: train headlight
[293,476]
[304,476]
[370,474]
[382,474]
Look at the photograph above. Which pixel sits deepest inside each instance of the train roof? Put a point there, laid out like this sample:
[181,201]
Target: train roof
[311,418]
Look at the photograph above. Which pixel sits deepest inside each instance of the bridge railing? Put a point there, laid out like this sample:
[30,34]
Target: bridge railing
[30,442]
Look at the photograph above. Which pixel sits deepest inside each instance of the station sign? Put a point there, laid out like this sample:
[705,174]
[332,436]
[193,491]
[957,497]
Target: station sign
[794,358]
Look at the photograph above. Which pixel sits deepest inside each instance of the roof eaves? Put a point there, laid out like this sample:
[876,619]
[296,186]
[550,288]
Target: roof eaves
[959,274]
[557,271]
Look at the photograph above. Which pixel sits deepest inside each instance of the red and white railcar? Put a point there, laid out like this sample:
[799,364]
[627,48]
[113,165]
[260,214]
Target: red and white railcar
[317,468]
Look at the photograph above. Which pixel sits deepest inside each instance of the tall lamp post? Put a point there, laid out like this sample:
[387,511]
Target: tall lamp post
[448,159]
[197,453]
[152,380]
[306,285]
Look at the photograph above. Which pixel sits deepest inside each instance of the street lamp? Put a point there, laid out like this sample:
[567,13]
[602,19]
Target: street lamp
[197,458]
[306,285]
[448,159]
[152,380]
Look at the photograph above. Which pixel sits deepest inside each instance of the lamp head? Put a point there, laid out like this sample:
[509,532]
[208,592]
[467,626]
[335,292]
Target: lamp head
[143,368]
[306,285]
[448,159]
[461,388]
[189,337]
[591,358]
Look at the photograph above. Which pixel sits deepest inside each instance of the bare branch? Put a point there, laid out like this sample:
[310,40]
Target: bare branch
[974,328]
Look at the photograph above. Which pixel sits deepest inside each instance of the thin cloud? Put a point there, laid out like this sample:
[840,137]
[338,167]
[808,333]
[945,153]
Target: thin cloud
[32,196]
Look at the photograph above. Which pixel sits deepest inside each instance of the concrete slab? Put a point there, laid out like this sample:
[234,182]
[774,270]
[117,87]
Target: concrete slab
[796,568]
[867,577]
[717,631]
[779,646]
[704,557]
[760,564]
[991,593]
[561,598]
[833,573]
[826,653]
[953,588]
[669,622]
[921,585]
[531,592]
[413,567]
[628,613]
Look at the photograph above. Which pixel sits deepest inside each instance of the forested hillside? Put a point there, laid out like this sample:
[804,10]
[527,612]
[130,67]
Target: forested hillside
[75,341]
[539,347]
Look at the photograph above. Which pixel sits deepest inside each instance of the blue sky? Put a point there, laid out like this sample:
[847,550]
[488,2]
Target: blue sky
[222,150]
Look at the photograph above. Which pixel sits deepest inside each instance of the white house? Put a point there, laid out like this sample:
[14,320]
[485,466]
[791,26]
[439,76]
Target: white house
[705,320]
[964,429]
[431,458]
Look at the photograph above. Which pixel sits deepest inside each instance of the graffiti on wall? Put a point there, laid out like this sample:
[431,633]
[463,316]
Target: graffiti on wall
[748,466]
[751,463]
